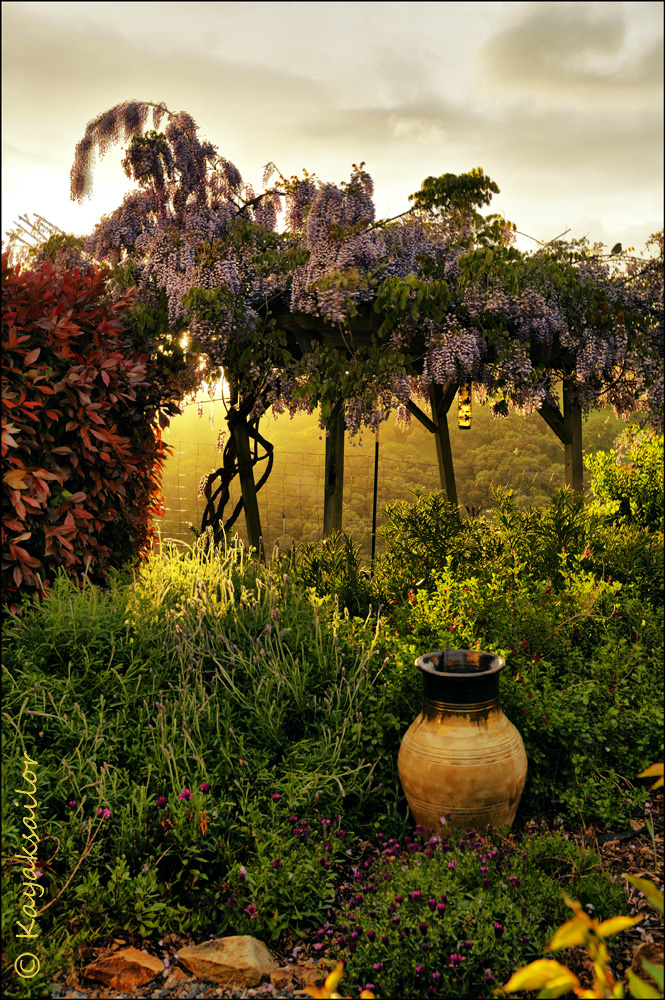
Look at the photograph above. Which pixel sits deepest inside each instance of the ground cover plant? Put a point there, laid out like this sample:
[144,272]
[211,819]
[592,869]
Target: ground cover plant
[216,742]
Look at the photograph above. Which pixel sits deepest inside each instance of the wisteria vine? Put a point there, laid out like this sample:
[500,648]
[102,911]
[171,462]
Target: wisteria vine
[304,299]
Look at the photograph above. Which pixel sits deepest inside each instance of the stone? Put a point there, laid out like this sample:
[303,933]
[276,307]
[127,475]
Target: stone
[175,976]
[311,975]
[124,971]
[282,978]
[241,960]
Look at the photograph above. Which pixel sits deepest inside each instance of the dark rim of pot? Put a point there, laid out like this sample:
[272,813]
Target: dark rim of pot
[460,663]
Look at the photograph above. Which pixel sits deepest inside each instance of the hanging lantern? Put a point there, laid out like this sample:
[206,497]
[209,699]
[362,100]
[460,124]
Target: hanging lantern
[464,406]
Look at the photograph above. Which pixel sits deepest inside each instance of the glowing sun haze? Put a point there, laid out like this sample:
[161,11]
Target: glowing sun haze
[560,103]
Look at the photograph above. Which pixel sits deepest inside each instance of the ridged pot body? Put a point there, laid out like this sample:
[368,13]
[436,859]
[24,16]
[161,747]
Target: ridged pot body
[462,755]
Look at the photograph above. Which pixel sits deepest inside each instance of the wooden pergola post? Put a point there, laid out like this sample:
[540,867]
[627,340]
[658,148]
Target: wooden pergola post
[568,429]
[333,493]
[440,400]
[572,418]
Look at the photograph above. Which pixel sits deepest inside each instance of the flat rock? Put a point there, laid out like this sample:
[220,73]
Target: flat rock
[241,960]
[125,970]
[282,978]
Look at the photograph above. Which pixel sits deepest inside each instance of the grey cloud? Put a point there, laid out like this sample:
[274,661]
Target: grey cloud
[578,50]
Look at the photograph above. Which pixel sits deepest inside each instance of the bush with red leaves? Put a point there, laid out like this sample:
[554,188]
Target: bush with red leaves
[81,446]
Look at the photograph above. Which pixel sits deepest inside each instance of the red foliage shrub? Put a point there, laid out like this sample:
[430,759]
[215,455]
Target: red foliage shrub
[81,449]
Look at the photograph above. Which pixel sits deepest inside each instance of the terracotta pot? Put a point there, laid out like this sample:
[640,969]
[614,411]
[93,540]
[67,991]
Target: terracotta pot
[462,755]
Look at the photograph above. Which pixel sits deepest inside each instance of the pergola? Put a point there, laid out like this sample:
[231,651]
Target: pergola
[302,329]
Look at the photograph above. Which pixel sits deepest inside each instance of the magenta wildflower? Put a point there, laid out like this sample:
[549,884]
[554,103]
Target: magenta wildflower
[104,813]
[455,960]
[205,786]
[318,947]
[398,898]
[489,978]
[72,804]
[341,834]
[436,976]
[514,881]
[276,797]
[161,801]
[452,864]
[416,895]
[499,929]
[377,966]
[251,911]
[185,795]
[385,940]
[370,935]
[277,864]
[423,927]
[242,873]
[419,970]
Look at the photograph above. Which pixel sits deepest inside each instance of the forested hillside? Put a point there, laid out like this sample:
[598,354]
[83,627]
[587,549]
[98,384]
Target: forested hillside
[515,452]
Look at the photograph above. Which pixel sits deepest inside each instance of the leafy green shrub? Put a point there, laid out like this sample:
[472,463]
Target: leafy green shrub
[333,567]
[630,492]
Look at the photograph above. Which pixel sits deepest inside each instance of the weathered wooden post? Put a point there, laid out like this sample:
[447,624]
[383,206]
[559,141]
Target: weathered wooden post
[333,493]
[572,418]
[441,400]
[568,429]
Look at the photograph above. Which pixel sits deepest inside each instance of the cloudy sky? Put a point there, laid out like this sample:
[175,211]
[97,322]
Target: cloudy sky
[560,103]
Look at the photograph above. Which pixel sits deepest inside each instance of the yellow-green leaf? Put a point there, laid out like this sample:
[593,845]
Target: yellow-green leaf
[641,990]
[574,932]
[543,973]
[655,770]
[615,925]
[653,895]
[332,982]
[655,971]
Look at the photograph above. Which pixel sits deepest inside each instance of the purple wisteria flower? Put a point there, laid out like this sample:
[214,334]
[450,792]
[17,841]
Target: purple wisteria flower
[185,795]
